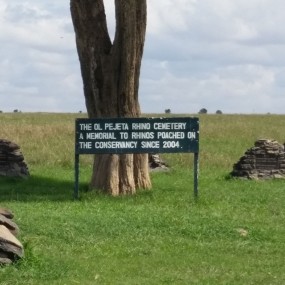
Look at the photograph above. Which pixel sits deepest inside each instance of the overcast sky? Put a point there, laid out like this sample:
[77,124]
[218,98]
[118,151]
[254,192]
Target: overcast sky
[226,55]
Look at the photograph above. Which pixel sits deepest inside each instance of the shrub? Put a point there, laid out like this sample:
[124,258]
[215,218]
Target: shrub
[203,111]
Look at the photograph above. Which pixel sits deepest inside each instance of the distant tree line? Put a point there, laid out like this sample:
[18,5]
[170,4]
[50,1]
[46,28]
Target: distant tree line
[202,111]
[14,111]
[205,111]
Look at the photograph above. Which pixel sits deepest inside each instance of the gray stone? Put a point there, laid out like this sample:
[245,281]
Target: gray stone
[10,247]
[4,260]
[6,213]
[9,224]
[278,176]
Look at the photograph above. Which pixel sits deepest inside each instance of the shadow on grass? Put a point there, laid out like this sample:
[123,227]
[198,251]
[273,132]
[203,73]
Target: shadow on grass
[37,188]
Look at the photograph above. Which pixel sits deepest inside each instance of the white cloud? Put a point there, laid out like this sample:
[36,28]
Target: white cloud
[225,88]
[39,64]
[226,55]
[169,16]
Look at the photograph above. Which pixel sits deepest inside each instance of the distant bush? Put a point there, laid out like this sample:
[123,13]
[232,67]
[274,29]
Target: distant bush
[16,111]
[203,111]
[1,111]
[167,111]
[219,112]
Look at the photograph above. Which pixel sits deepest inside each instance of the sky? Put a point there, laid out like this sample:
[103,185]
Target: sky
[226,55]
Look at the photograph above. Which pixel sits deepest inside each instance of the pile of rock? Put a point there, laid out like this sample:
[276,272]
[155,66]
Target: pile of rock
[156,163]
[263,161]
[11,248]
[12,162]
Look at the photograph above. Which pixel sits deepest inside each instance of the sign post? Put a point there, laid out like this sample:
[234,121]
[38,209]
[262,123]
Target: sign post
[196,170]
[137,135]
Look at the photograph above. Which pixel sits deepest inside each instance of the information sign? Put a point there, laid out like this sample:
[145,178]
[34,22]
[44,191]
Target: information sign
[137,135]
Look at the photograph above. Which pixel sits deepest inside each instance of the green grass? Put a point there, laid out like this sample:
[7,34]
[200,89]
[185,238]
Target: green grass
[162,236]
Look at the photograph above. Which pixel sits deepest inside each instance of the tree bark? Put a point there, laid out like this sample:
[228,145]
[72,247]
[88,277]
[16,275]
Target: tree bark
[110,74]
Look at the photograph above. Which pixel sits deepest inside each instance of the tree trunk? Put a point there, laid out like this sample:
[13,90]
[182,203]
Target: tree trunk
[110,74]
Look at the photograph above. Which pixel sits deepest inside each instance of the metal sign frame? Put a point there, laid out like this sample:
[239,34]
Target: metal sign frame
[137,135]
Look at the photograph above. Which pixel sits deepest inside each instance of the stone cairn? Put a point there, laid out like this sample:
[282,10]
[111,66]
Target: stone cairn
[156,163]
[265,160]
[11,248]
[12,162]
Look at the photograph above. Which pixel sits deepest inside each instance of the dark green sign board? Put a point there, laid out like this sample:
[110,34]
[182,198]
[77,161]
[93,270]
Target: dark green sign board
[139,135]
[136,135]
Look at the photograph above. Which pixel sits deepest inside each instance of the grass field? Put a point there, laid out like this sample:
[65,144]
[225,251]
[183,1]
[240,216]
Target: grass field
[234,233]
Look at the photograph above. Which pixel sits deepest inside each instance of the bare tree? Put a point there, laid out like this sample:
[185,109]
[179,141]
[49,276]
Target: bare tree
[110,73]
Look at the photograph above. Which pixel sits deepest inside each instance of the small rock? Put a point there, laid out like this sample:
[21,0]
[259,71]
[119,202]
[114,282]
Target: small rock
[242,232]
